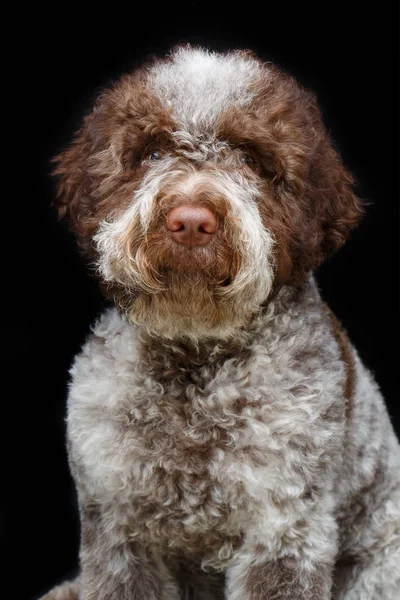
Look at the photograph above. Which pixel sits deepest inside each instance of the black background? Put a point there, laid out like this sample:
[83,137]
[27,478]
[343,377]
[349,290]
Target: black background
[57,63]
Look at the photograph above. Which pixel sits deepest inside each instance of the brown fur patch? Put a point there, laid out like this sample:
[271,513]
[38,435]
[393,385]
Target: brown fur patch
[203,585]
[347,357]
[283,579]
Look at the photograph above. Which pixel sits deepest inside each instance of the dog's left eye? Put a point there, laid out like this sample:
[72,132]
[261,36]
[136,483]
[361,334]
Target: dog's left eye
[154,155]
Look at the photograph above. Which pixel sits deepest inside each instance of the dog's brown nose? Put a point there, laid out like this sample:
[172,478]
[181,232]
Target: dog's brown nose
[192,225]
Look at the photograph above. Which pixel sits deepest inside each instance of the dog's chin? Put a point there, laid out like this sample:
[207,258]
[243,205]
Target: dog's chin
[192,305]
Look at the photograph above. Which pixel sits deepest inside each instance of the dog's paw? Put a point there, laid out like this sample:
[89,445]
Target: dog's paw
[66,591]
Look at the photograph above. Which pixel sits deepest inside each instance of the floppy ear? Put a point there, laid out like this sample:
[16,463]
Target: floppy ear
[71,174]
[330,191]
[319,205]
[316,205]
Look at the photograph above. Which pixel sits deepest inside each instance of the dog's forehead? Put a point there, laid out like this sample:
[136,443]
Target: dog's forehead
[198,85]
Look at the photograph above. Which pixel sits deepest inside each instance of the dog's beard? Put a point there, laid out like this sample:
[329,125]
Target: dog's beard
[189,306]
[176,293]
[208,292]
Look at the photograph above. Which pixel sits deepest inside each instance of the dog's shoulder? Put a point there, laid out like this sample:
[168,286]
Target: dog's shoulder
[110,351]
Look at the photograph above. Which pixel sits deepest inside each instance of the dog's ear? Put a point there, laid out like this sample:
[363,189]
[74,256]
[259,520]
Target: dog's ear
[70,172]
[318,205]
[331,196]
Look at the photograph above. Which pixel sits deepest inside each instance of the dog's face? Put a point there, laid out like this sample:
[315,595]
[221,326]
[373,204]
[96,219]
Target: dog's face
[199,185]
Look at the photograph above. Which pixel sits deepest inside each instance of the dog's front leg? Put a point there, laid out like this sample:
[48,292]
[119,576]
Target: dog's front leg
[284,578]
[115,568]
[298,566]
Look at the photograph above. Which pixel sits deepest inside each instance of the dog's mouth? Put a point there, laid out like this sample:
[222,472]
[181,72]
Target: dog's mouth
[194,278]
[213,264]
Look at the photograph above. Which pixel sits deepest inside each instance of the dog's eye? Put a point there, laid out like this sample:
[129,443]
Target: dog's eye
[151,156]
[262,166]
[249,160]
[154,155]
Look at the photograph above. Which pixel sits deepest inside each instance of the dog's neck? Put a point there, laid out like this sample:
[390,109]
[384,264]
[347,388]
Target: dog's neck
[163,355]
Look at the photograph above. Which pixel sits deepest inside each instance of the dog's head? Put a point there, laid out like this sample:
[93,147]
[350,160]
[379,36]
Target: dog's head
[199,185]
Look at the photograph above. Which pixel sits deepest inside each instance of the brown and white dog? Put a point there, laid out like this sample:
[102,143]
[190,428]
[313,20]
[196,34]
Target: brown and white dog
[222,432]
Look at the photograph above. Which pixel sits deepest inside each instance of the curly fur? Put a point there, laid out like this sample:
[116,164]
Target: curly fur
[223,434]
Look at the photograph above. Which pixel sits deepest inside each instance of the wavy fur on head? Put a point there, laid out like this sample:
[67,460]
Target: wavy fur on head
[222,432]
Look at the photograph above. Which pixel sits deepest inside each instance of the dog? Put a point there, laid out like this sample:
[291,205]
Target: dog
[224,437]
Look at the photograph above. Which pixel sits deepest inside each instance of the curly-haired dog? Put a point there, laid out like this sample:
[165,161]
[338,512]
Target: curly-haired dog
[222,432]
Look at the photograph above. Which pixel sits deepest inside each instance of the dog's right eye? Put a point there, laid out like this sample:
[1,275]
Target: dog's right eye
[249,160]
[154,155]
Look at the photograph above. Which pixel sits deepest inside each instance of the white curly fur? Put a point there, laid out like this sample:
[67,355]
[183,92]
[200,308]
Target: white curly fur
[217,80]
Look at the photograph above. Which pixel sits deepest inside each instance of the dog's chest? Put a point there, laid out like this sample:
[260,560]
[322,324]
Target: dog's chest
[184,440]
[186,449]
